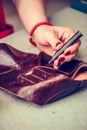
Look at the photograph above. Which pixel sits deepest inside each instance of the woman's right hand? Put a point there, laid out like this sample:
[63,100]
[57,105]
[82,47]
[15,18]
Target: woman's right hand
[49,39]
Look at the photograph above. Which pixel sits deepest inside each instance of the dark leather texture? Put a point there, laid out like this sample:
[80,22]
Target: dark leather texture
[29,76]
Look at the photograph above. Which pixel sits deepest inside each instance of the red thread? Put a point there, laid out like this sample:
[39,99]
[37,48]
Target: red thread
[34,28]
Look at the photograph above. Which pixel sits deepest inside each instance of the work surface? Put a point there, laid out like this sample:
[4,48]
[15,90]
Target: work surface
[69,113]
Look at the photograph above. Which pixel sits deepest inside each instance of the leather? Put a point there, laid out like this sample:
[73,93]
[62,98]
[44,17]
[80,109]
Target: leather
[30,77]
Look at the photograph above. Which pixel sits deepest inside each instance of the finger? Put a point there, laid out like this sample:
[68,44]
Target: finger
[56,64]
[46,48]
[71,56]
[66,35]
[54,41]
[72,49]
[59,61]
[63,59]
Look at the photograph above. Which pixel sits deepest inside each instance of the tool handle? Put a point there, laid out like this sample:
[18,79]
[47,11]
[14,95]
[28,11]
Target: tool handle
[70,42]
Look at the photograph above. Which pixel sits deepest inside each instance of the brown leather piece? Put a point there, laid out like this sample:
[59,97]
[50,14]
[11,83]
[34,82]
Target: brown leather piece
[29,76]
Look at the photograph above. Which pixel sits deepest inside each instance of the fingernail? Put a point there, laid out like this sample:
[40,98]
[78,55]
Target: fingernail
[67,53]
[59,63]
[58,43]
[62,59]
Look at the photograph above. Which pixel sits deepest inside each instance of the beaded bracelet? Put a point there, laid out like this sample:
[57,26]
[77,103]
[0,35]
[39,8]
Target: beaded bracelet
[33,30]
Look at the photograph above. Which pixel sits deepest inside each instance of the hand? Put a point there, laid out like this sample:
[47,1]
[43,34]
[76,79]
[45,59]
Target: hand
[49,39]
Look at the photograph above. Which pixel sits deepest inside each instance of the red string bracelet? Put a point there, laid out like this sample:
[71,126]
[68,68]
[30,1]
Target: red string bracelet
[34,28]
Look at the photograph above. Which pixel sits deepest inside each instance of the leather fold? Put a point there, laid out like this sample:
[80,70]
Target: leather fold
[30,77]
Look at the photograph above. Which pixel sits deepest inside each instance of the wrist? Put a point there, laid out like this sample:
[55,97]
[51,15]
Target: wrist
[31,33]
